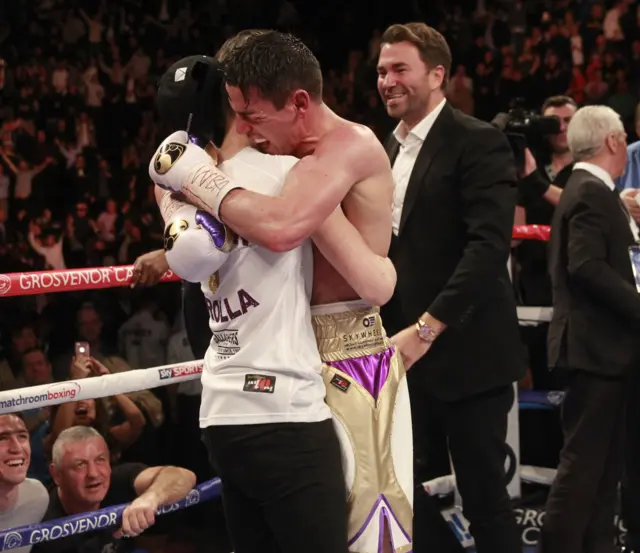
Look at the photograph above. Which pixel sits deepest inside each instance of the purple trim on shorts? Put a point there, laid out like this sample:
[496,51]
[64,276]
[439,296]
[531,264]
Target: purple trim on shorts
[215,228]
[370,371]
[404,532]
[367,521]
[384,514]
[381,532]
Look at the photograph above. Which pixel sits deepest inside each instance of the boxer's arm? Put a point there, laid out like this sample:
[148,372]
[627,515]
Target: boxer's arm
[371,276]
[314,188]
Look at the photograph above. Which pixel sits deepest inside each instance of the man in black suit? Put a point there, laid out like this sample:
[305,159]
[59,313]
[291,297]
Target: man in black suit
[454,306]
[594,334]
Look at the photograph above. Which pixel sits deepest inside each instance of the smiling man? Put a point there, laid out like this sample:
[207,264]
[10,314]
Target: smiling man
[454,305]
[22,500]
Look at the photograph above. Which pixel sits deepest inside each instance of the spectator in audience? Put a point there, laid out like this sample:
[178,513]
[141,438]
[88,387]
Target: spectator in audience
[118,419]
[22,337]
[36,371]
[89,328]
[106,222]
[593,334]
[4,190]
[23,501]
[539,191]
[143,338]
[85,482]
[630,493]
[48,246]
[629,182]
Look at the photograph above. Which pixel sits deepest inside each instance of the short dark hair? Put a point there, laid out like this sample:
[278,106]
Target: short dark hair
[236,41]
[558,102]
[229,45]
[275,64]
[431,45]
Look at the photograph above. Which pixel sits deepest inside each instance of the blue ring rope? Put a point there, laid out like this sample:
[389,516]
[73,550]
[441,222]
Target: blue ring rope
[96,520]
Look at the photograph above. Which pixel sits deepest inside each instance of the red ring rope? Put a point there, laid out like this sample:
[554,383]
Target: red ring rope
[71,280]
[96,278]
[531,232]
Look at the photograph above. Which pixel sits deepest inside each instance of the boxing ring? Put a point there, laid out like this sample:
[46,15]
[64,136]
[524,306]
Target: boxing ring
[47,282]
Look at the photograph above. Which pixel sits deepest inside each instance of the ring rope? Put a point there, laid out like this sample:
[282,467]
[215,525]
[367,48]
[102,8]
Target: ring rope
[101,519]
[33,397]
[98,278]
[70,280]
[531,232]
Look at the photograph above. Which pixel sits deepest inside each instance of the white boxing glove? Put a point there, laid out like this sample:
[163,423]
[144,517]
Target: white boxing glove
[196,243]
[175,160]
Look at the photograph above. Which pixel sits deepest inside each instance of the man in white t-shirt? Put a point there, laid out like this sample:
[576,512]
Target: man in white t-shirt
[22,500]
[265,422]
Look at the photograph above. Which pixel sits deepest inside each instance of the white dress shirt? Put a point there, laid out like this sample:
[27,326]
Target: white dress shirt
[605,177]
[410,144]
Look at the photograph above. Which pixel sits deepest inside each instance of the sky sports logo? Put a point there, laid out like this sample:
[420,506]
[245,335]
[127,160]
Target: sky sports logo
[178,372]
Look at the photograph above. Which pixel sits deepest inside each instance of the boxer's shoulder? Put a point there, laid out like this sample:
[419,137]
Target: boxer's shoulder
[354,145]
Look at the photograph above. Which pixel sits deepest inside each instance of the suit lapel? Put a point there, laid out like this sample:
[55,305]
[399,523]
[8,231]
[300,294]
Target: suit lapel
[426,156]
[392,147]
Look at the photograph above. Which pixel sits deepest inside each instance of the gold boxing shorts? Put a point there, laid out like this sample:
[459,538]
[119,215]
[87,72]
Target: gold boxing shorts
[368,396]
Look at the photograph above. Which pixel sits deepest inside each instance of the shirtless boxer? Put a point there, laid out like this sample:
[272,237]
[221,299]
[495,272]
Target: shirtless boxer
[288,363]
[274,85]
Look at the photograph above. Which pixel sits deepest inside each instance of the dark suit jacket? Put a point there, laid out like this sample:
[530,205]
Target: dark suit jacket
[451,257]
[596,318]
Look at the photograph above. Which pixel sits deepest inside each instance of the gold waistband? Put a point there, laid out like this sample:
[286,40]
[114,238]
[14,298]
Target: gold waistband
[351,333]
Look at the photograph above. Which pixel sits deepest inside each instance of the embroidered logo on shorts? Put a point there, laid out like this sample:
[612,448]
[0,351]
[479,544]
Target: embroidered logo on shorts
[340,383]
[259,383]
[369,321]
[168,156]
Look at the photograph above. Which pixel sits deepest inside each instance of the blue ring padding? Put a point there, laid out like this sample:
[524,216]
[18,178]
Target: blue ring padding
[96,520]
[550,399]
[535,407]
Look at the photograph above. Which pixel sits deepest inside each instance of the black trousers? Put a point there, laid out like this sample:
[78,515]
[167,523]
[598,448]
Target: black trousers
[475,430]
[631,478]
[189,451]
[581,505]
[283,486]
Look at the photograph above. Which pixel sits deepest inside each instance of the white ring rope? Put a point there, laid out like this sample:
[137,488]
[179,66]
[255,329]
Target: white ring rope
[33,397]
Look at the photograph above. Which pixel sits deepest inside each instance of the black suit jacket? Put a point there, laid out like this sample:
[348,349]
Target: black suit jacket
[596,306]
[451,256]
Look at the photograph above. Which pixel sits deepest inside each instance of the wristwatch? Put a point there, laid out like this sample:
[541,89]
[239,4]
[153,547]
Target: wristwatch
[425,332]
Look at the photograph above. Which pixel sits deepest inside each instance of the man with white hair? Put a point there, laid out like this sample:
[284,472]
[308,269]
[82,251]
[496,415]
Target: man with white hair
[22,500]
[593,334]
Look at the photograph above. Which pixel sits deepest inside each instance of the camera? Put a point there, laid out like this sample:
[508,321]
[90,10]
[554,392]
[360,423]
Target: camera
[525,129]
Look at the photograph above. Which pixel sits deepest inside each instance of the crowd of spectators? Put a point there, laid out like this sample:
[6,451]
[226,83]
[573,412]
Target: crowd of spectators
[77,128]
